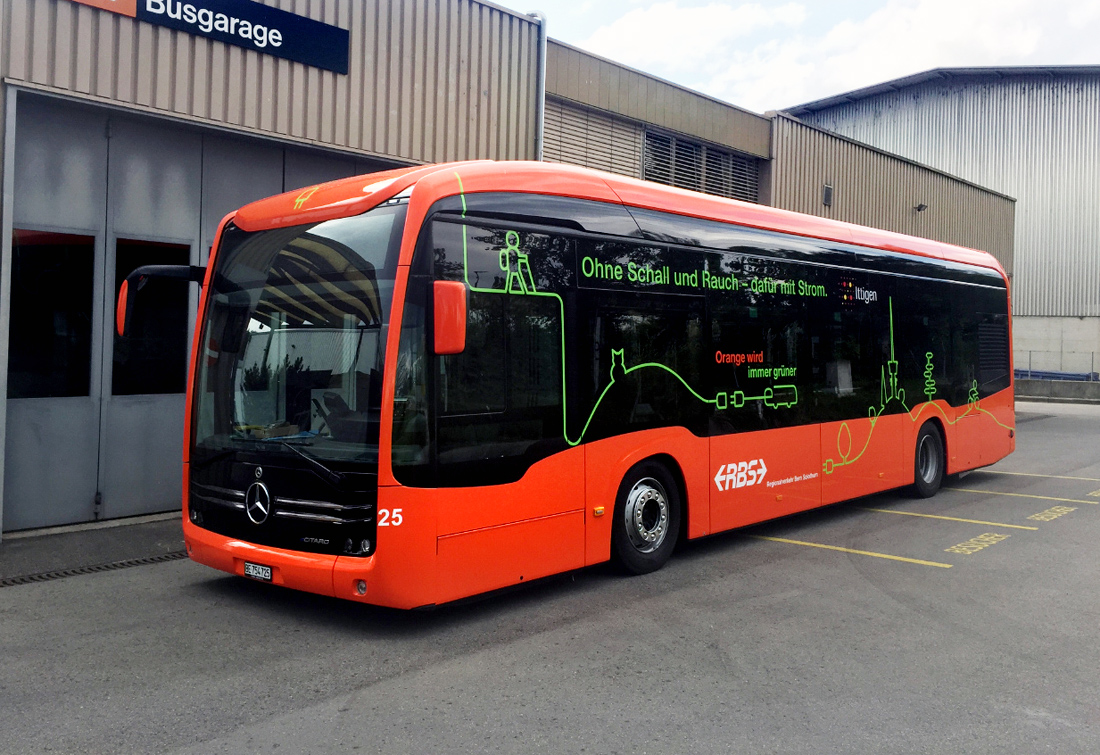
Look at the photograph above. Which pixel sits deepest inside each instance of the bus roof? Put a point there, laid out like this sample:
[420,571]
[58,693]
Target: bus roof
[352,196]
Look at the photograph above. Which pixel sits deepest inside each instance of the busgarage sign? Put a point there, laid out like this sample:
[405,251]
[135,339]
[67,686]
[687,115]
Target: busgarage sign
[247,24]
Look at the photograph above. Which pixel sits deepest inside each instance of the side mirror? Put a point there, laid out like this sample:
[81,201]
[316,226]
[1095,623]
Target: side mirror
[450,317]
[136,280]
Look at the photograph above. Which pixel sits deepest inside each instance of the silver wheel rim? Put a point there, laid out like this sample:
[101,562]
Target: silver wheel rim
[646,515]
[928,461]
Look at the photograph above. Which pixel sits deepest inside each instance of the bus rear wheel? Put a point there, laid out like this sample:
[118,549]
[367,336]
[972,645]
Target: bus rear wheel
[929,464]
[647,518]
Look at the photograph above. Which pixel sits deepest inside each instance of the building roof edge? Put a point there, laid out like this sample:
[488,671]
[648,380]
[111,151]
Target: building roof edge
[937,74]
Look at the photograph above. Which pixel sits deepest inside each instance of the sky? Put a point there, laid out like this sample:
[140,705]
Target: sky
[774,54]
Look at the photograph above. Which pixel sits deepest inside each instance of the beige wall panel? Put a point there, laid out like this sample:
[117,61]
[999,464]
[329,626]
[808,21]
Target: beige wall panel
[423,70]
[526,99]
[13,62]
[492,78]
[354,95]
[481,143]
[879,190]
[429,80]
[62,61]
[181,80]
[465,83]
[410,53]
[105,37]
[440,141]
[592,81]
[41,18]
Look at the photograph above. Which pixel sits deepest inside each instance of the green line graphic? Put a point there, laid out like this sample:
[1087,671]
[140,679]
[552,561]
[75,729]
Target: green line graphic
[519,281]
[889,391]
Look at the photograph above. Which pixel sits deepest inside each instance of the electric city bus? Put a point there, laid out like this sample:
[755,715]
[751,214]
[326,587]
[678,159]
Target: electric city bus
[419,385]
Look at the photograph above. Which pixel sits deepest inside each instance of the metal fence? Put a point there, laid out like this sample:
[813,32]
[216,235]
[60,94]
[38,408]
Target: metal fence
[1037,364]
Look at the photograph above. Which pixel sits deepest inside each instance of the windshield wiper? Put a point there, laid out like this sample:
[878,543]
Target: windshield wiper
[332,477]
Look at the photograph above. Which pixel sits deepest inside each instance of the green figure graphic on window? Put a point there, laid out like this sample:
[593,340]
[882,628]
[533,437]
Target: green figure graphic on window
[515,265]
[618,364]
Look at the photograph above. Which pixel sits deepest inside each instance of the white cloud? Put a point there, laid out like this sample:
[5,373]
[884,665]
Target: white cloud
[763,59]
[679,39]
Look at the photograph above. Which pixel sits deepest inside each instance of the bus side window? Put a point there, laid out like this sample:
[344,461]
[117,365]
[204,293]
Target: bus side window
[499,404]
[642,362]
[922,338]
[981,343]
[760,348]
[851,333]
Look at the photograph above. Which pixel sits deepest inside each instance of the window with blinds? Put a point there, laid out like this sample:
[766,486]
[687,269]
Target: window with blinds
[676,161]
[592,139]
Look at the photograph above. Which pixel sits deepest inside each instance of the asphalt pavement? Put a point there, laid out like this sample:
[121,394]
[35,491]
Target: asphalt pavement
[961,623]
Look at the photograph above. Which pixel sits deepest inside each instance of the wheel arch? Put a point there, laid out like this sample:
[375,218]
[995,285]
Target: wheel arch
[684,456]
[928,481]
[937,423]
[669,462]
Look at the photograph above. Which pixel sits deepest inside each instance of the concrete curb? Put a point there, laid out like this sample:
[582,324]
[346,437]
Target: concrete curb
[1068,391]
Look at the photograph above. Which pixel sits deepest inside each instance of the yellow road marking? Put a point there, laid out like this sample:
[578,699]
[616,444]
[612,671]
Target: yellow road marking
[951,518]
[852,550]
[1022,495]
[1029,474]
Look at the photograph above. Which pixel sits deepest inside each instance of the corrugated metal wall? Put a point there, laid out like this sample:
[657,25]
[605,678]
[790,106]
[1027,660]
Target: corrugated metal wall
[584,136]
[1036,138]
[592,81]
[430,80]
[881,190]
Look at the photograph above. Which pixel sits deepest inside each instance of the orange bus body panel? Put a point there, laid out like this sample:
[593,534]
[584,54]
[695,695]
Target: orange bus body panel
[335,199]
[983,436]
[472,562]
[791,482]
[861,456]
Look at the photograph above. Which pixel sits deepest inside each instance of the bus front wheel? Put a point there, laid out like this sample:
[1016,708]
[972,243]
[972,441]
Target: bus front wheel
[929,463]
[647,518]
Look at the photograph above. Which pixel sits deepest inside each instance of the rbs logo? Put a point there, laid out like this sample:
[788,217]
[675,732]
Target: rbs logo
[740,474]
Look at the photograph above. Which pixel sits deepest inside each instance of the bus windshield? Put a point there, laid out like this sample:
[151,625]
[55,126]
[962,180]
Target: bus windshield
[293,341]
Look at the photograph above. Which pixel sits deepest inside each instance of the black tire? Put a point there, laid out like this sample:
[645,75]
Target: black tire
[929,463]
[647,518]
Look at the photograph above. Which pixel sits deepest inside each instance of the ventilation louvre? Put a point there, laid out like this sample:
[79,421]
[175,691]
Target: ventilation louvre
[992,351]
[586,137]
[686,164]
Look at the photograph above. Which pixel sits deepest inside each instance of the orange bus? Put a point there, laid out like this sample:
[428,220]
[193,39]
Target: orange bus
[419,385]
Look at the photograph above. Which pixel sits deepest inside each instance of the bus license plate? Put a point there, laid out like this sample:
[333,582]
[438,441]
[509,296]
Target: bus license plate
[257,571]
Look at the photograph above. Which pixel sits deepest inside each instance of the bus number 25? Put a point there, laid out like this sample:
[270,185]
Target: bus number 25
[386,517]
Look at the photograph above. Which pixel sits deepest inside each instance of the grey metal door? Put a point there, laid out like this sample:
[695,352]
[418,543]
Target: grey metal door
[154,189]
[94,427]
[56,332]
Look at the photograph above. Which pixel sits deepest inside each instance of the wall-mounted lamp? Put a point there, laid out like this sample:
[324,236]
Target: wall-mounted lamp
[827,195]
[921,207]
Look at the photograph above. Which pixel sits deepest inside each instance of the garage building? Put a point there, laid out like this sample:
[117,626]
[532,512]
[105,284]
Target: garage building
[130,127]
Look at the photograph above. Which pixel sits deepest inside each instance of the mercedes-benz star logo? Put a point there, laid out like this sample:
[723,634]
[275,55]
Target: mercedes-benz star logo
[257,502]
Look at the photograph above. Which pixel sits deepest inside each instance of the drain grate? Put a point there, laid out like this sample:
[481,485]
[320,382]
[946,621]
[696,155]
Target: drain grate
[62,573]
